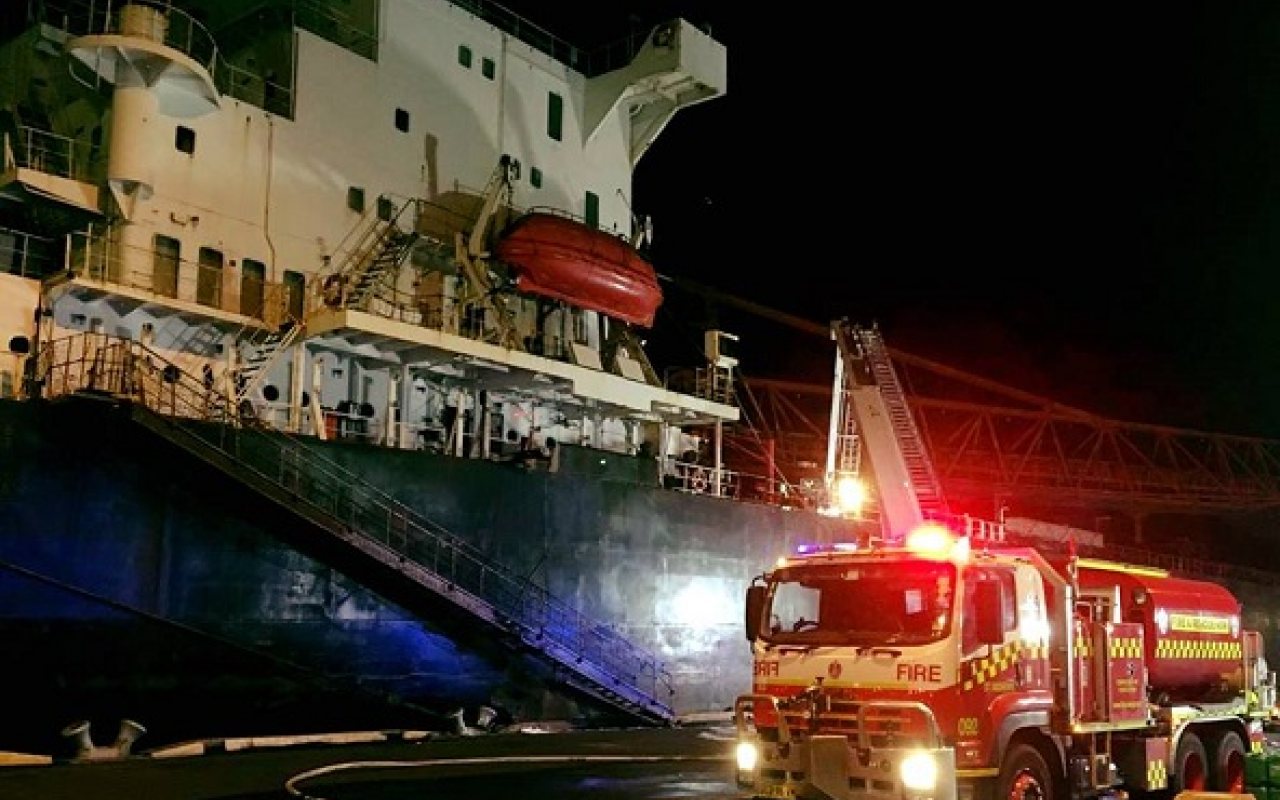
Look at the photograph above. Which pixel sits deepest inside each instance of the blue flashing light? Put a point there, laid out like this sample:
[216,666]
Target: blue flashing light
[837,547]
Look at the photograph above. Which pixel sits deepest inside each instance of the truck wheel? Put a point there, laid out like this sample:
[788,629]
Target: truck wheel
[1024,775]
[1226,770]
[1190,765]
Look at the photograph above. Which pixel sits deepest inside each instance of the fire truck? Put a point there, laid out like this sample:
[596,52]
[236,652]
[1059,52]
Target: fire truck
[923,664]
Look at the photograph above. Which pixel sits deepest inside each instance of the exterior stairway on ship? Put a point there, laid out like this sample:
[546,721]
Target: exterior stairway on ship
[393,550]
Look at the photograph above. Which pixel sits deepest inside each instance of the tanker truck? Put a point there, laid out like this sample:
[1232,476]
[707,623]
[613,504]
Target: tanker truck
[929,668]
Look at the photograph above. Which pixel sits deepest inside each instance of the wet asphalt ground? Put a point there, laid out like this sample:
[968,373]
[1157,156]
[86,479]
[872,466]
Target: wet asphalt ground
[693,761]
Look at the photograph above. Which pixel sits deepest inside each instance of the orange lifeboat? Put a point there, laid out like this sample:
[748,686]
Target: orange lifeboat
[559,257]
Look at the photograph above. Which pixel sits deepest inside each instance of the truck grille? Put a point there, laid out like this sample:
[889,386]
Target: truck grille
[870,726]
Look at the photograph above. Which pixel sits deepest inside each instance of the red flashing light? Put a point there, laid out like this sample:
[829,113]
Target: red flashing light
[934,540]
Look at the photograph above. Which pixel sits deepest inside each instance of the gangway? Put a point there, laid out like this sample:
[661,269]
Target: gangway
[368,527]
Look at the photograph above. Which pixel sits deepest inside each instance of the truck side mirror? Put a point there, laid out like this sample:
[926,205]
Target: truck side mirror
[755,607]
[988,602]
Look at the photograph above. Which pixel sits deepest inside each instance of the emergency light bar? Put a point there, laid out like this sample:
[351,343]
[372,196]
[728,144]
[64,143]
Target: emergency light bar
[934,540]
[837,547]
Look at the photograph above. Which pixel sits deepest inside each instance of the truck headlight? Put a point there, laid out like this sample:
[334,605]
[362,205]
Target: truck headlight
[747,755]
[919,772]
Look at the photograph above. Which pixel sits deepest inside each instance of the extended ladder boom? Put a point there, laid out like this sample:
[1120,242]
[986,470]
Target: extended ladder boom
[869,403]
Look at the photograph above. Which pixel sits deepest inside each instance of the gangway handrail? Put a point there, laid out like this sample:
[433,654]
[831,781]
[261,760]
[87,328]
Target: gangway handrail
[613,668]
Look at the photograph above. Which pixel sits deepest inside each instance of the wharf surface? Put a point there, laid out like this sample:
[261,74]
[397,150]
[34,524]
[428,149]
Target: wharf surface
[694,760]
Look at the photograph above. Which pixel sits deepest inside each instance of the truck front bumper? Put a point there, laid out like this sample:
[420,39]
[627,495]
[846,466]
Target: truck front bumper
[834,766]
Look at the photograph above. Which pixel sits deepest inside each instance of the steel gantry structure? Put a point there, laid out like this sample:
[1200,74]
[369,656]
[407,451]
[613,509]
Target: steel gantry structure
[993,444]
[1037,451]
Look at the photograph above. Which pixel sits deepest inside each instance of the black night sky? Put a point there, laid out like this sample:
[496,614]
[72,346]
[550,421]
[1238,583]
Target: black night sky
[1082,202]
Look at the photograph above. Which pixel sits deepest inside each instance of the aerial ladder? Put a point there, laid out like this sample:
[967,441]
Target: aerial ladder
[870,416]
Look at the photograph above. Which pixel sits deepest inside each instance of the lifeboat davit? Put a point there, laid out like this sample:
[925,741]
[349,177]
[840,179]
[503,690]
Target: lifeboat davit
[559,257]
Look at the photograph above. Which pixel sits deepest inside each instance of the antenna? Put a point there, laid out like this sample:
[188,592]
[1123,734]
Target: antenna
[641,229]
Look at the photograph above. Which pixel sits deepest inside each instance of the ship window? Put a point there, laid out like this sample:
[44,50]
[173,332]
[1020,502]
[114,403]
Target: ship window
[209,278]
[386,208]
[20,345]
[592,212]
[355,198]
[555,115]
[253,277]
[295,283]
[535,178]
[488,68]
[184,139]
[164,266]
[464,56]
[402,119]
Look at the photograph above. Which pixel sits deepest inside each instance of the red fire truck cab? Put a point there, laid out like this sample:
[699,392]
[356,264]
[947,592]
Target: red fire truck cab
[930,670]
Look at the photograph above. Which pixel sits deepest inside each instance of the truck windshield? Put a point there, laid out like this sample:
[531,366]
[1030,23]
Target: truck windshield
[863,604]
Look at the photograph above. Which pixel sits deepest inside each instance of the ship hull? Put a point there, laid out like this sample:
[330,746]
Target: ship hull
[139,584]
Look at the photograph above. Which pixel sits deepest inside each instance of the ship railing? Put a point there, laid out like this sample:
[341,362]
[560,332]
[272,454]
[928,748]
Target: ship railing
[440,311]
[526,31]
[695,478]
[210,282]
[428,305]
[98,363]
[155,20]
[592,61]
[52,154]
[280,415]
[361,246]
[354,423]
[108,365]
[715,384]
[325,20]
[391,224]
[29,255]
[569,215]
[619,52]
[255,88]
[457,210]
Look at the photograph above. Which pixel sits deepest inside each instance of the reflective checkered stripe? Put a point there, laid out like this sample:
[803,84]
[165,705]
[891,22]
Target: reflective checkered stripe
[1126,647]
[1084,647]
[1198,648]
[1157,775]
[980,670]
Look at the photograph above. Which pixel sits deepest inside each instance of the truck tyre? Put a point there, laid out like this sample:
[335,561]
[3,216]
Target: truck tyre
[1190,765]
[1024,775]
[1226,766]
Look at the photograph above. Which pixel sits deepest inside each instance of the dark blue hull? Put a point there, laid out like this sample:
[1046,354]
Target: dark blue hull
[136,582]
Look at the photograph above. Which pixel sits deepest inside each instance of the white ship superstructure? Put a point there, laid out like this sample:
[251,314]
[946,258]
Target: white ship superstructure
[300,202]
